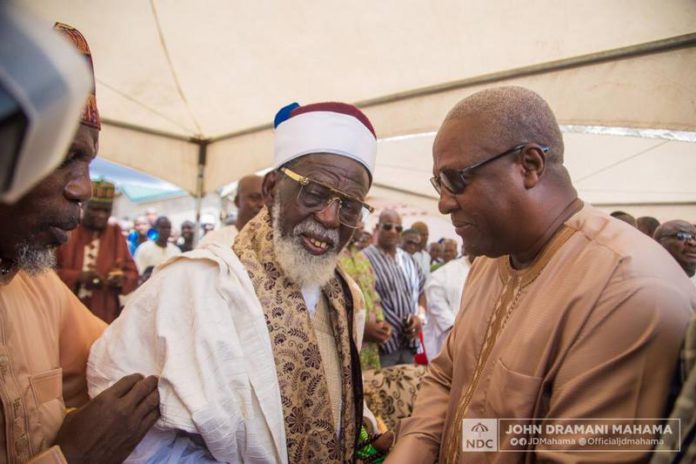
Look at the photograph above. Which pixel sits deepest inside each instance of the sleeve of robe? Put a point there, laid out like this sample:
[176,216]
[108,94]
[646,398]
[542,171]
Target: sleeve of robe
[179,326]
[420,435]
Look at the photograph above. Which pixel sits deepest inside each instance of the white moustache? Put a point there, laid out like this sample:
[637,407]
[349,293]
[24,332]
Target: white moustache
[310,226]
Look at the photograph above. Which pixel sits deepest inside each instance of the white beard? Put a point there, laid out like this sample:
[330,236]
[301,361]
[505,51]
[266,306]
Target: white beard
[33,260]
[297,263]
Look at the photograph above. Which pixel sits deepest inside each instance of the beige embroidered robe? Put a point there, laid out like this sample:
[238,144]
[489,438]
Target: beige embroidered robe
[592,329]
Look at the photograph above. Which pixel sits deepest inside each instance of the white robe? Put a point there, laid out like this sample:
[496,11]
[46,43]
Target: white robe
[224,236]
[423,259]
[199,326]
[150,254]
[443,293]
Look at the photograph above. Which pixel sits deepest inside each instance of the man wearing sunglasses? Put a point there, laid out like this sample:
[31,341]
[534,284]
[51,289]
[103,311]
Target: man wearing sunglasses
[679,239]
[400,283]
[256,344]
[569,315]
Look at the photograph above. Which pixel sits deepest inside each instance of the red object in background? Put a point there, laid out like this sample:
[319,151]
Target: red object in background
[421,356]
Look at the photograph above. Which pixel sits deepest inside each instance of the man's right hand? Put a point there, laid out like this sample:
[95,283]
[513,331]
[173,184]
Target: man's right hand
[110,426]
[377,331]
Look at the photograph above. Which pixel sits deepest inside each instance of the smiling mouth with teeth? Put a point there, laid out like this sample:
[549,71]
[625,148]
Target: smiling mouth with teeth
[319,244]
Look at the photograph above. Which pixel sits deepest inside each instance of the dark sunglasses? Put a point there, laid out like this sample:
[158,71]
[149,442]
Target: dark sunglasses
[683,236]
[388,226]
[454,180]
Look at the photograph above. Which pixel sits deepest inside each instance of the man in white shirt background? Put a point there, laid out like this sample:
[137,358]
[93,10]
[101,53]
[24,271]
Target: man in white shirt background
[153,252]
[443,293]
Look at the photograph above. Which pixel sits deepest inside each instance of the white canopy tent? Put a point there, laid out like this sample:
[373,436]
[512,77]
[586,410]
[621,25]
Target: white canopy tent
[612,171]
[187,89]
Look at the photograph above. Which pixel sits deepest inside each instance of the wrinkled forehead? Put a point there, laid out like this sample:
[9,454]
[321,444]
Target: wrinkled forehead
[339,172]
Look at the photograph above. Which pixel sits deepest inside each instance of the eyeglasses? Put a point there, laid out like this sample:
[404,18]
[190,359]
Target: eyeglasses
[316,196]
[454,180]
[683,236]
[387,226]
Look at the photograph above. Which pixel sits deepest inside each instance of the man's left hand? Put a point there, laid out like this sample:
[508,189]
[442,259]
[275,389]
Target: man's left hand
[414,327]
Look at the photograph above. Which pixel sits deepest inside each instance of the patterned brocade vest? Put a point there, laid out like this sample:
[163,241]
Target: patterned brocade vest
[309,423]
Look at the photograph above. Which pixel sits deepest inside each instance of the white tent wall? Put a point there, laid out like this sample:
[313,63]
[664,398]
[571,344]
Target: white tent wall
[631,170]
[235,157]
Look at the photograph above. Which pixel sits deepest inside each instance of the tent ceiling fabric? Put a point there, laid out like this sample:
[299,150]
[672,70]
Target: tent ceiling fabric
[207,70]
[169,159]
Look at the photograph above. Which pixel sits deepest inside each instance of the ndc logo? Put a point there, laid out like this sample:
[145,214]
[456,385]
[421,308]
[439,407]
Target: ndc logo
[479,428]
[479,435]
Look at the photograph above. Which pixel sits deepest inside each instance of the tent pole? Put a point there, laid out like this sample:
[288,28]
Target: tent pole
[200,185]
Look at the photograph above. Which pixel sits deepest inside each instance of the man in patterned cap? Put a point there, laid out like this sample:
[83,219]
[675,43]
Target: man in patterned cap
[256,345]
[47,332]
[95,262]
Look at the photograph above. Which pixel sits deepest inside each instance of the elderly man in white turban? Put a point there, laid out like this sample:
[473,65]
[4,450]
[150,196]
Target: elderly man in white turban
[255,345]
